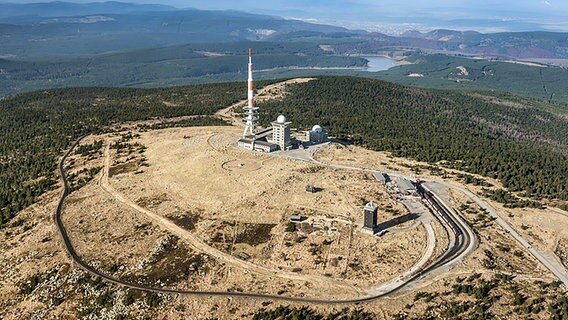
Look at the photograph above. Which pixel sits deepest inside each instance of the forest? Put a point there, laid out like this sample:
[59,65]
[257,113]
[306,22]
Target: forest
[35,128]
[306,313]
[525,148]
[158,66]
[545,83]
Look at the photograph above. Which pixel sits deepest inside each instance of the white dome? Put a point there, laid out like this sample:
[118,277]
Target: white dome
[281,119]
[317,128]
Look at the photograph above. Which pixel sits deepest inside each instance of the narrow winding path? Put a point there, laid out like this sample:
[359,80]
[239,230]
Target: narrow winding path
[420,269]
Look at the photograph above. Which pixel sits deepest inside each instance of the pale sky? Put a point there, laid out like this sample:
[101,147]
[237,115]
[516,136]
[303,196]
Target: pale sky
[391,7]
[538,12]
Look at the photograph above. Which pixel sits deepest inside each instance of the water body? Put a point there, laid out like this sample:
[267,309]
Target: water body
[378,63]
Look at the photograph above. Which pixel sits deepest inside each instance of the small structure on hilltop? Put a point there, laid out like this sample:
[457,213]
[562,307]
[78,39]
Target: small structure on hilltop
[297,218]
[317,135]
[279,137]
[269,140]
[370,218]
[405,186]
[281,133]
[313,189]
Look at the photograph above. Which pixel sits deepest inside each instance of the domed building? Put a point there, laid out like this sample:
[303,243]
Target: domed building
[317,135]
[281,134]
[278,137]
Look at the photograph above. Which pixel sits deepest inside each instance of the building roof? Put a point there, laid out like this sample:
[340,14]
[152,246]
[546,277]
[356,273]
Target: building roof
[380,177]
[404,184]
[276,123]
[370,207]
[263,131]
[263,135]
[260,141]
[264,143]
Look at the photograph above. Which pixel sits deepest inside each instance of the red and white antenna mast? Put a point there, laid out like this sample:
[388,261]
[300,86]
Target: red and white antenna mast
[251,112]
[250,81]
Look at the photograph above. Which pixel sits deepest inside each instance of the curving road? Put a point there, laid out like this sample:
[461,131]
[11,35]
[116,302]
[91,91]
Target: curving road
[199,245]
[465,240]
[462,243]
[392,288]
[436,187]
[558,271]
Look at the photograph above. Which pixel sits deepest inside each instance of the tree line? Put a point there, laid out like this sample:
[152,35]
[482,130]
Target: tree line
[36,127]
[525,148]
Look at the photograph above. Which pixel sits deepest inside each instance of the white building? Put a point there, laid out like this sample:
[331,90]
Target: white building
[281,134]
[269,140]
[257,145]
[278,137]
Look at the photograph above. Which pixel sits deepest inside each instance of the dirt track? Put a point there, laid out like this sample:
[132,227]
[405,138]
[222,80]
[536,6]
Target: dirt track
[199,245]
[273,91]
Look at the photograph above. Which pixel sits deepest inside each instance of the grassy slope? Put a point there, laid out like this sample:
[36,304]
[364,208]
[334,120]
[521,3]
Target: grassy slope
[36,127]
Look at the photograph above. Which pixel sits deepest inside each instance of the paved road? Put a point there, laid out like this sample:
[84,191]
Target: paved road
[414,270]
[463,240]
[197,244]
[388,289]
[464,244]
[558,271]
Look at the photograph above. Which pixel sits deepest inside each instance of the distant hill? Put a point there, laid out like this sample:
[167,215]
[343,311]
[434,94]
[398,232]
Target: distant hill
[518,45]
[545,83]
[513,45]
[68,9]
[120,44]
[159,66]
[214,62]
[110,32]
[61,28]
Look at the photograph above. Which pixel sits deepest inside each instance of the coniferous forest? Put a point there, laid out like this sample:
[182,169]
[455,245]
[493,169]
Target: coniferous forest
[35,128]
[524,147]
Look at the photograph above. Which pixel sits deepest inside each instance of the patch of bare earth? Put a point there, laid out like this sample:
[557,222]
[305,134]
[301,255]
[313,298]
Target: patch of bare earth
[245,200]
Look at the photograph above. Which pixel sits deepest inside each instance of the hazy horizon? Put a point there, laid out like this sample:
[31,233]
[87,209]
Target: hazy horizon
[483,15]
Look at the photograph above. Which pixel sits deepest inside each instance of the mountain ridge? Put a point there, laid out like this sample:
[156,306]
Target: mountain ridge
[66,9]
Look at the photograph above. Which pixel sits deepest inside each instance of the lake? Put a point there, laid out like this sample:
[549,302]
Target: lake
[378,63]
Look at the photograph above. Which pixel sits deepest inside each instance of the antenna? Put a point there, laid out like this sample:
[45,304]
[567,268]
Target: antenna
[251,112]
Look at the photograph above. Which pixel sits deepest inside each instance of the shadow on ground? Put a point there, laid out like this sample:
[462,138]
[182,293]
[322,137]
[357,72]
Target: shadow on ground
[396,221]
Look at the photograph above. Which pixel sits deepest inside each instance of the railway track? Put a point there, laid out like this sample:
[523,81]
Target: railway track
[465,238]
[449,256]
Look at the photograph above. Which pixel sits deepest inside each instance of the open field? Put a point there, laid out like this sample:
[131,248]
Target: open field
[166,171]
[182,208]
[239,203]
[542,227]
